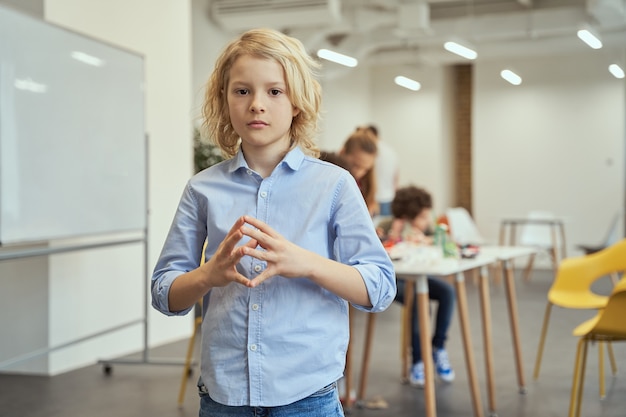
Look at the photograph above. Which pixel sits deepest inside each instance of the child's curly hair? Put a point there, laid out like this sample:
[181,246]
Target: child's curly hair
[409,202]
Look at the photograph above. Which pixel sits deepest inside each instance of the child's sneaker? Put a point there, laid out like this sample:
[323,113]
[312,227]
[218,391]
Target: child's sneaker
[442,365]
[416,377]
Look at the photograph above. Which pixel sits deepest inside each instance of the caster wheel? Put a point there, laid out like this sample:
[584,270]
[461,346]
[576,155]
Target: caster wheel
[107,369]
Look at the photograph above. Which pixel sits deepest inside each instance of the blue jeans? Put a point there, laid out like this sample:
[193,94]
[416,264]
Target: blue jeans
[444,294]
[323,403]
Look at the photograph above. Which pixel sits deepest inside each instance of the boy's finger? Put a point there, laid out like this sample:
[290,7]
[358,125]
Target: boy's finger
[256,281]
[240,279]
[262,226]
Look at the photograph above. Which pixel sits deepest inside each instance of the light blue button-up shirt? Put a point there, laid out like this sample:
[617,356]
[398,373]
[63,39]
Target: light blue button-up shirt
[287,338]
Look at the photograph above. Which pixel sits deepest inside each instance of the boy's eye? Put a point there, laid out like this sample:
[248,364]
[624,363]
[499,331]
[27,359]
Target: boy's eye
[275,92]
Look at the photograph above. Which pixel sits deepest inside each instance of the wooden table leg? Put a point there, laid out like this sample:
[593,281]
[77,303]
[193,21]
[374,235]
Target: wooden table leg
[369,336]
[511,299]
[485,304]
[513,237]
[554,253]
[407,337]
[467,344]
[423,314]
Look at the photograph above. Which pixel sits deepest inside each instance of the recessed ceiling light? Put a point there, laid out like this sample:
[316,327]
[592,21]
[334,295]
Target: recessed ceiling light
[591,39]
[616,70]
[457,48]
[338,58]
[406,82]
[511,77]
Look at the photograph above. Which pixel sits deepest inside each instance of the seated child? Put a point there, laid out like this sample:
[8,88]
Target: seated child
[411,209]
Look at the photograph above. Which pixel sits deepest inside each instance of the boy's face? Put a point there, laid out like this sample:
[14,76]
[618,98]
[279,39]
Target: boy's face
[260,109]
[422,220]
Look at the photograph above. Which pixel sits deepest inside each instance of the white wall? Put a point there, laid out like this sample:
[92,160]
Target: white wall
[24,319]
[346,104]
[207,42]
[87,292]
[554,143]
[414,123]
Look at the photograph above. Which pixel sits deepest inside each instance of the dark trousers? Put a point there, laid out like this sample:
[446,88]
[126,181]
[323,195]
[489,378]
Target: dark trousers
[442,292]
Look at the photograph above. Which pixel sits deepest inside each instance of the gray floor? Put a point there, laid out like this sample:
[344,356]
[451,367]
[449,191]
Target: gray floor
[150,390]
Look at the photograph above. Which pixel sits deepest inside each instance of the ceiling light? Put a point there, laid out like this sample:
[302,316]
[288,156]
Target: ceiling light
[616,70]
[591,39]
[457,48]
[338,58]
[511,77]
[407,83]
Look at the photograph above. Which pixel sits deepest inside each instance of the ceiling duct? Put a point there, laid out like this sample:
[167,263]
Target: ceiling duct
[414,16]
[246,14]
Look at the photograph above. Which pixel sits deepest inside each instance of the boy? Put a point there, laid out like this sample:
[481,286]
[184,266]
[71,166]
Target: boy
[289,242]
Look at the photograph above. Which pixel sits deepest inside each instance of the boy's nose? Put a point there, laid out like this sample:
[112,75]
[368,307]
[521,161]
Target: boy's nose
[257,105]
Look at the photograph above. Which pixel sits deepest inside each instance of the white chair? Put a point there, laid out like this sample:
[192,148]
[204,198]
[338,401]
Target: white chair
[541,236]
[463,229]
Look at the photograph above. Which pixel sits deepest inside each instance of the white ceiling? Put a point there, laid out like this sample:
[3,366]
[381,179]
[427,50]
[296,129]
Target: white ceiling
[382,32]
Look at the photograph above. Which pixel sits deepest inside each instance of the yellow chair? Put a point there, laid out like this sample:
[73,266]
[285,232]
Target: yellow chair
[572,289]
[189,358]
[607,326]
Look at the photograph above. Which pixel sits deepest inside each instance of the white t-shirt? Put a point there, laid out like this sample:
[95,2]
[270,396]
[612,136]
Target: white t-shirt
[386,168]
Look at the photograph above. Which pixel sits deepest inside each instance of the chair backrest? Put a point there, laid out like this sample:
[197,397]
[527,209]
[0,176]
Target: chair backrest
[463,230]
[612,259]
[611,319]
[578,273]
[539,235]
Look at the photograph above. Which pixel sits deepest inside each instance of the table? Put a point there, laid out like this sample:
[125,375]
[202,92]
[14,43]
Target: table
[414,270]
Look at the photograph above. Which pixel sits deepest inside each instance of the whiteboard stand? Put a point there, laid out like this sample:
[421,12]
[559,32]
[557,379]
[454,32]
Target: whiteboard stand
[107,365]
[9,254]
[45,251]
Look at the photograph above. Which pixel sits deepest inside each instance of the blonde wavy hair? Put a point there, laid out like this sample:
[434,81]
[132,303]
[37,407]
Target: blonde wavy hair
[303,89]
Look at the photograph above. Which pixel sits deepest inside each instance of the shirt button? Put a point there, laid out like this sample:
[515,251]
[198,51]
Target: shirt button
[249,172]
[257,268]
[263,194]
[255,307]
[253,348]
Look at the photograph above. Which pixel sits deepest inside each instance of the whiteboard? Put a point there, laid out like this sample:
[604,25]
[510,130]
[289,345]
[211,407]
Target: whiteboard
[72,137]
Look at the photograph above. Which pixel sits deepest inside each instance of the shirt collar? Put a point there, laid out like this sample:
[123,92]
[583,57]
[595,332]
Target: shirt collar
[293,160]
